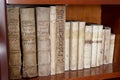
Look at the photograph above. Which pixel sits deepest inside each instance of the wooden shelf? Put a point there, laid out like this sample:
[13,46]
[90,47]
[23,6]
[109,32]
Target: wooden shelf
[102,72]
[63,2]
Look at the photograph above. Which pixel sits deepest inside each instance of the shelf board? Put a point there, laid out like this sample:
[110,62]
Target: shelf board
[103,72]
[63,2]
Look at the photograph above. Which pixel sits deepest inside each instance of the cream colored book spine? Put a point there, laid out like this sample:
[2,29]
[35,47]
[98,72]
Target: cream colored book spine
[43,40]
[107,45]
[94,45]
[60,46]
[112,44]
[67,46]
[81,43]
[27,16]
[99,49]
[88,46]
[53,38]
[103,46]
[74,46]
[14,52]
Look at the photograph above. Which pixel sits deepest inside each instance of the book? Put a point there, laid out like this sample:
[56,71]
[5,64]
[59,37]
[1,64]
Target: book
[14,51]
[60,27]
[103,46]
[81,42]
[27,17]
[107,45]
[88,46]
[43,40]
[74,46]
[112,44]
[99,47]
[67,46]
[53,38]
[94,45]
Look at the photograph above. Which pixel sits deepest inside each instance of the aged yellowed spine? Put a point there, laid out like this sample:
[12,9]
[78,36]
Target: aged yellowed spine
[53,38]
[43,40]
[74,46]
[60,53]
[27,16]
[14,52]
[112,44]
[88,46]
[107,45]
[94,46]
[67,46]
[81,42]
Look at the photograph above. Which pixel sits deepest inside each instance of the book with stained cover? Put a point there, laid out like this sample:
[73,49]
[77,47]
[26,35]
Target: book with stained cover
[88,46]
[14,52]
[67,45]
[107,45]
[74,46]
[27,16]
[43,40]
[60,27]
[81,42]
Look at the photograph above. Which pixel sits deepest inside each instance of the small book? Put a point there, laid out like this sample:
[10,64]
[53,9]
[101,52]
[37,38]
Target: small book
[81,42]
[112,44]
[43,40]
[107,45]
[94,45]
[74,46]
[14,52]
[53,38]
[27,16]
[67,46]
[60,27]
[88,46]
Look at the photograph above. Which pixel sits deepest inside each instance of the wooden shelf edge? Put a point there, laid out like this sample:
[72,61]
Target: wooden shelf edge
[82,2]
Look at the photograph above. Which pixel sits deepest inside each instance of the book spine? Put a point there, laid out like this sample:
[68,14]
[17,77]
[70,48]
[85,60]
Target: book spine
[81,43]
[94,46]
[74,46]
[43,40]
[99,50]
[67,42]
[14,52]
[60,23]
[112,44]
[53,37]
[88,46]
[27,16]
[103,46]
[107,45]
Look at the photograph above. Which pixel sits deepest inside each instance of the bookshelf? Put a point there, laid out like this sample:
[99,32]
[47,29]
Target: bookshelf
[108,14]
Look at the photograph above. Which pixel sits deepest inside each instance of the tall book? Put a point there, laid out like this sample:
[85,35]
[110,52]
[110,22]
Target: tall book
[107,45]
[88,46]
[103,46]
[27,16]
[43,40]
[94,46]
[112,44]
[67,46]
[99,47]
[81,42]
[14,52]
[53,38]
[60,27]
[74,46]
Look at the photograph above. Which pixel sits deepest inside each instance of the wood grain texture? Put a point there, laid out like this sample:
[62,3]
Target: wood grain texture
[88,13]
[3,42]
[99,73]
[63,1]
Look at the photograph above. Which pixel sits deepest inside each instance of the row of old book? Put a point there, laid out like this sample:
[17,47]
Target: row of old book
[42,43]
